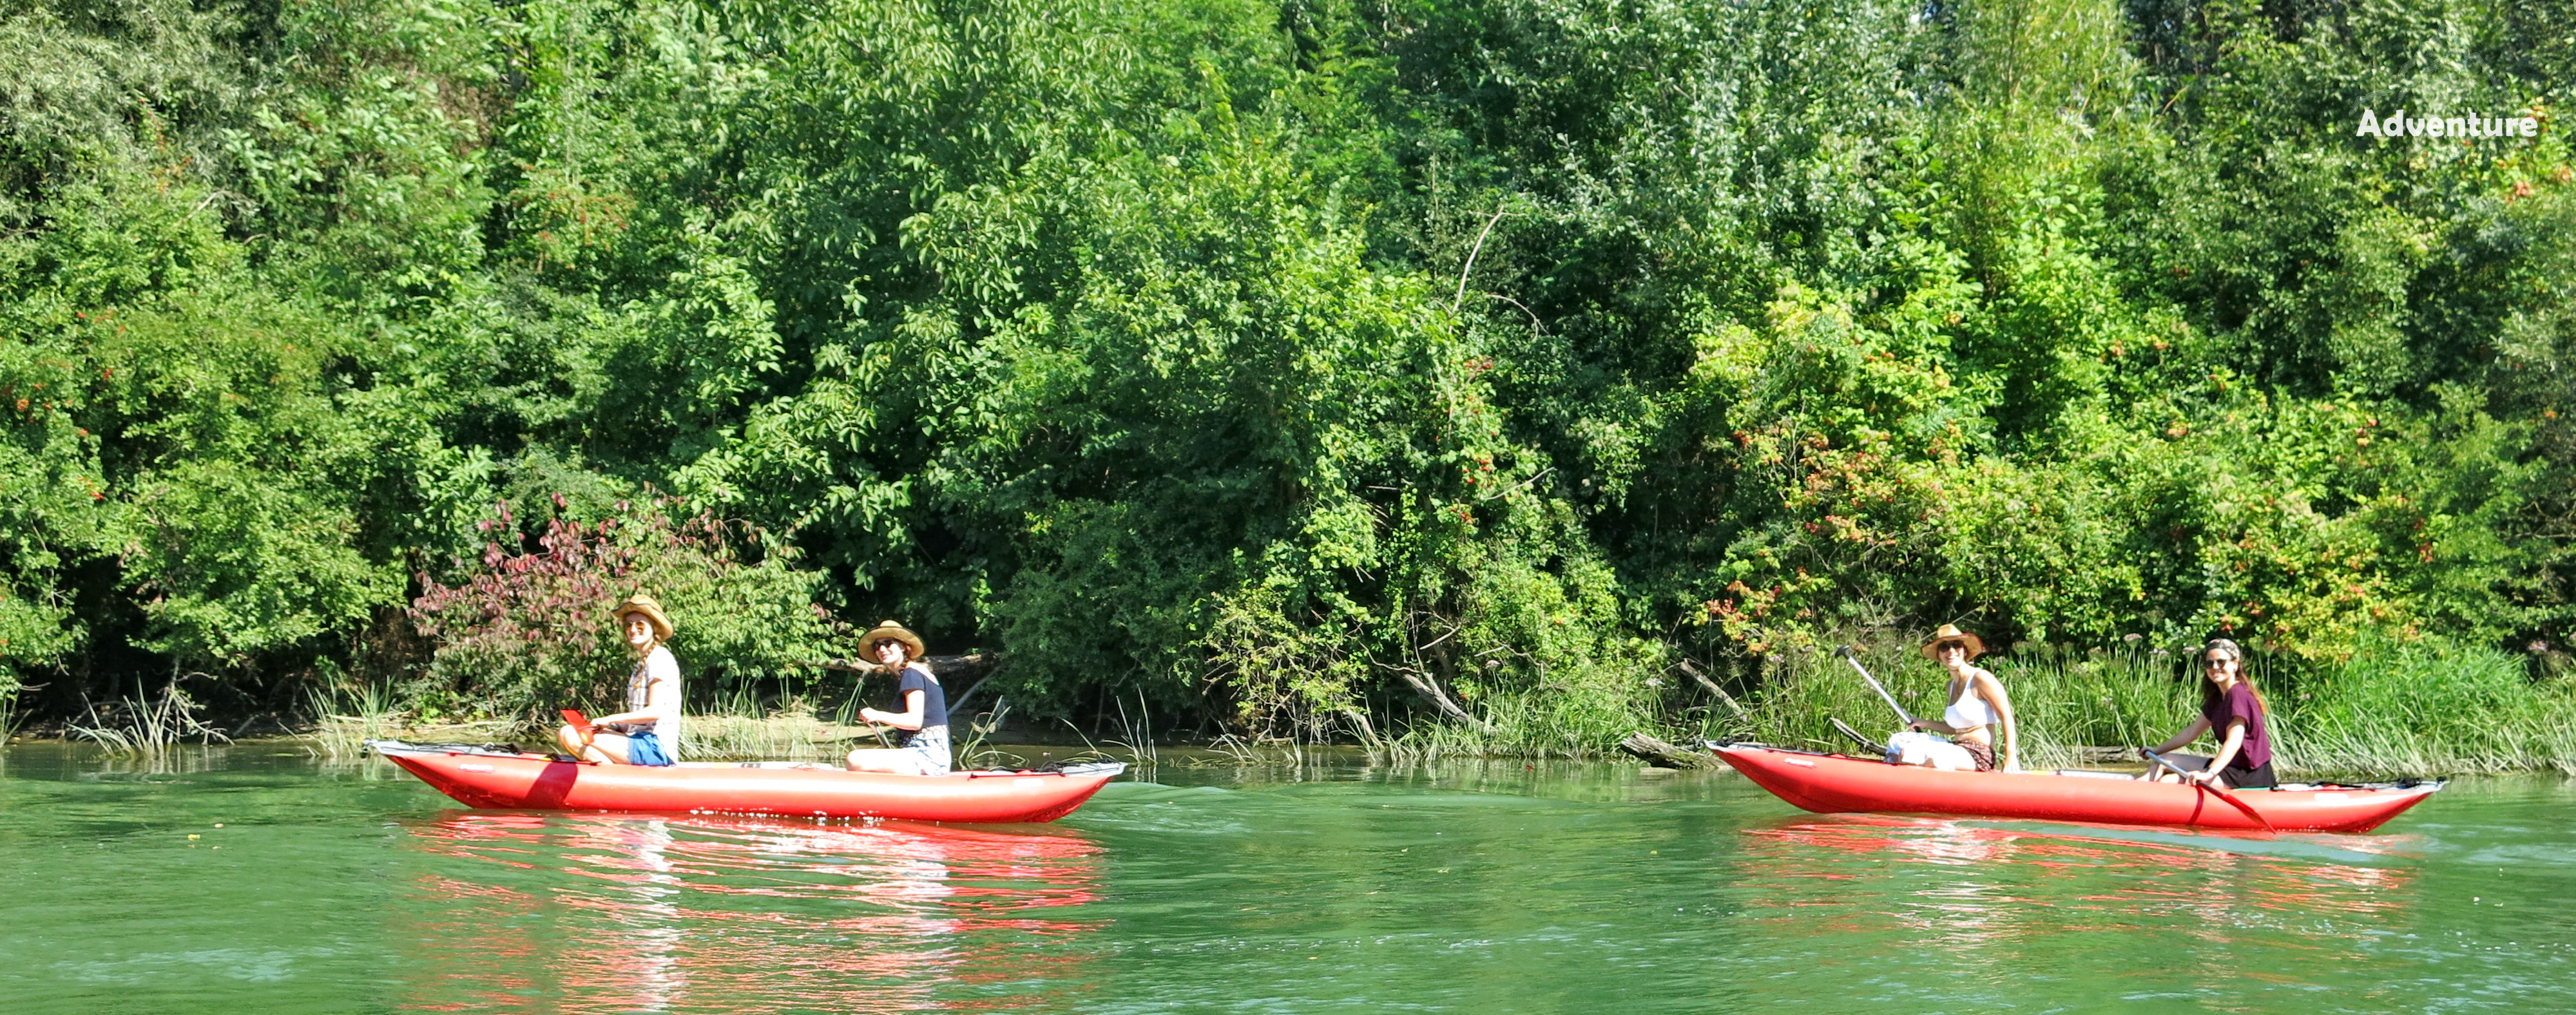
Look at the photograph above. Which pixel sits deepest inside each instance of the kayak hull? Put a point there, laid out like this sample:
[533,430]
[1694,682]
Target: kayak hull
[535,782]
[1833,784]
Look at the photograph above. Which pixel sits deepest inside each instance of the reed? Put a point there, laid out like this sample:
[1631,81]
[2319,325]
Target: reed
[1136,735]
[146,725]
[2425,709]
[1518,726]
[971,751]
[740,729]
[346,717]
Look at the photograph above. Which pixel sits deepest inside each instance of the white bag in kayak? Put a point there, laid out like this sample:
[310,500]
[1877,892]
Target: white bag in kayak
[1928,751]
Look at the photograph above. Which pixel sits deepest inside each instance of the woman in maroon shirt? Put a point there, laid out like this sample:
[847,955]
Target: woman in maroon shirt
[2231,710]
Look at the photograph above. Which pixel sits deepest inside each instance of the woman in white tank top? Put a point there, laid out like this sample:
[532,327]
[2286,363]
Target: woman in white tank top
[1977,702]
[648,732]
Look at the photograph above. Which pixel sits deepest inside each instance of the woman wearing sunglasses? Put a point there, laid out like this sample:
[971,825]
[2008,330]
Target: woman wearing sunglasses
[2230,710]
[925,708]
[1978,705]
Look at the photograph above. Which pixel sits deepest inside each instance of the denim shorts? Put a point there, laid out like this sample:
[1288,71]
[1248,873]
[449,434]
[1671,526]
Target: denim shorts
[645,748]
[931,745]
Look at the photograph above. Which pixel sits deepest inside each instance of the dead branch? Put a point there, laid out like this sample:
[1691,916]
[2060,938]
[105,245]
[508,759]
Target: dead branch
[1431,692]
[1686,667]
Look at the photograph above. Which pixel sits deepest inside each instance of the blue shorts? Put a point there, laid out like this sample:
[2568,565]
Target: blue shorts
[645,749]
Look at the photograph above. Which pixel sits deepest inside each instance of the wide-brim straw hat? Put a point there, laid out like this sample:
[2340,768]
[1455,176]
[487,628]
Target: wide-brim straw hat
[1949,633]
[652,611]
[889,629]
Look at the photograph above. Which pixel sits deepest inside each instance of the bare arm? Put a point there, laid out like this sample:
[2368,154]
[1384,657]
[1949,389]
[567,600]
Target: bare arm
[1995,694]
[908,719]
[2226,749]
[2191,731]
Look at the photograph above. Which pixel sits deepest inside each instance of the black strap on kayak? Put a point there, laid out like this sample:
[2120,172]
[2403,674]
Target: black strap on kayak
[1846,730]
[488,749]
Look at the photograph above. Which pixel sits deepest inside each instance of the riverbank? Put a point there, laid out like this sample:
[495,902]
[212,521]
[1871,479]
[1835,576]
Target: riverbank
[269,880]
[2390,710]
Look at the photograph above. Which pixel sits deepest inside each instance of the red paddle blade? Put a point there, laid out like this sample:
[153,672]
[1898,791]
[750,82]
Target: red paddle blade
[580,723]
[2241,805]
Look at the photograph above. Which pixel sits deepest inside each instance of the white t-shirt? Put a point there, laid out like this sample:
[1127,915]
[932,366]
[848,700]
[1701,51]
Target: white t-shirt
[654,687]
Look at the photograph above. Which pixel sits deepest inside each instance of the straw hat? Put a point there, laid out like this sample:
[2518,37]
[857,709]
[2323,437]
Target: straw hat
[889,629]
[1950,633]
[640,603]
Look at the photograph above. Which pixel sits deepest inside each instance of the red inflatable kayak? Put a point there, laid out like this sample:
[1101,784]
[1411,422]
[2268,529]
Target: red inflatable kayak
[510,781]
[1833,784]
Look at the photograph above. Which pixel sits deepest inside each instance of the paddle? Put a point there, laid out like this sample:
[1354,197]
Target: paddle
[1901,713]
[581,724]
[2222,794]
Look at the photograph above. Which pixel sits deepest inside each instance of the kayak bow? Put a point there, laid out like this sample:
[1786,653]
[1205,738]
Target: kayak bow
[1833,784]
[512,781]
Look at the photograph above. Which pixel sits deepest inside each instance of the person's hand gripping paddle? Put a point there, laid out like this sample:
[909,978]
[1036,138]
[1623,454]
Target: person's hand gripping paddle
[580,724]
[2194,780]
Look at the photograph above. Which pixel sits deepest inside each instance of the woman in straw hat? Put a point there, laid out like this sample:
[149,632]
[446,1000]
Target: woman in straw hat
[648,732]
[1977,700]
[925,708]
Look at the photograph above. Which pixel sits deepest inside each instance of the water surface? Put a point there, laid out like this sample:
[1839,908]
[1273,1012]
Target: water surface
[1475,887]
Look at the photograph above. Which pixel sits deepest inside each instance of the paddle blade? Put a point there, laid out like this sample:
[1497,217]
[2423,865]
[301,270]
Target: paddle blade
[2243,807]
[580,723]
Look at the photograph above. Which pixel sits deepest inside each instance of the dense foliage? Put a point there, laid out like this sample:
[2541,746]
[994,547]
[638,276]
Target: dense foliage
[1287,363]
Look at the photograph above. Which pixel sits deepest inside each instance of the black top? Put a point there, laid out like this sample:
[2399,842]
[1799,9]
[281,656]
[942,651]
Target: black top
[934,701]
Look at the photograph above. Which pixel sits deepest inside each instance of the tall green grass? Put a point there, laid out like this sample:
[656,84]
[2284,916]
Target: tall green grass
[741,730]
[346,717]
[2425,709]
[1533,724]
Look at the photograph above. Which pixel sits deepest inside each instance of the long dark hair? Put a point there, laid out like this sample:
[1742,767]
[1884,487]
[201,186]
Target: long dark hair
[2211,700]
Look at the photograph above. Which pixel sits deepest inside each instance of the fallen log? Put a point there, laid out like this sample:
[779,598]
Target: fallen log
[1661,754]
[948,667]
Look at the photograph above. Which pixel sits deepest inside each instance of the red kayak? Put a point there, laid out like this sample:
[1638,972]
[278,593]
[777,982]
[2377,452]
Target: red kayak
[505,780]
[1834,784]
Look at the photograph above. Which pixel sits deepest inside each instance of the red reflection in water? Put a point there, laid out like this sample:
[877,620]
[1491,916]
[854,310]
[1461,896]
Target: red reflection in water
[1988,885]
[613,912]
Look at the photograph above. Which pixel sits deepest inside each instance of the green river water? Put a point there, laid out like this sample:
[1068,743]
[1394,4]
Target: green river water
[1473,887]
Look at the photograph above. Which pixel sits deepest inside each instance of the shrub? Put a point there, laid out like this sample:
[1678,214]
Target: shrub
[527,631]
